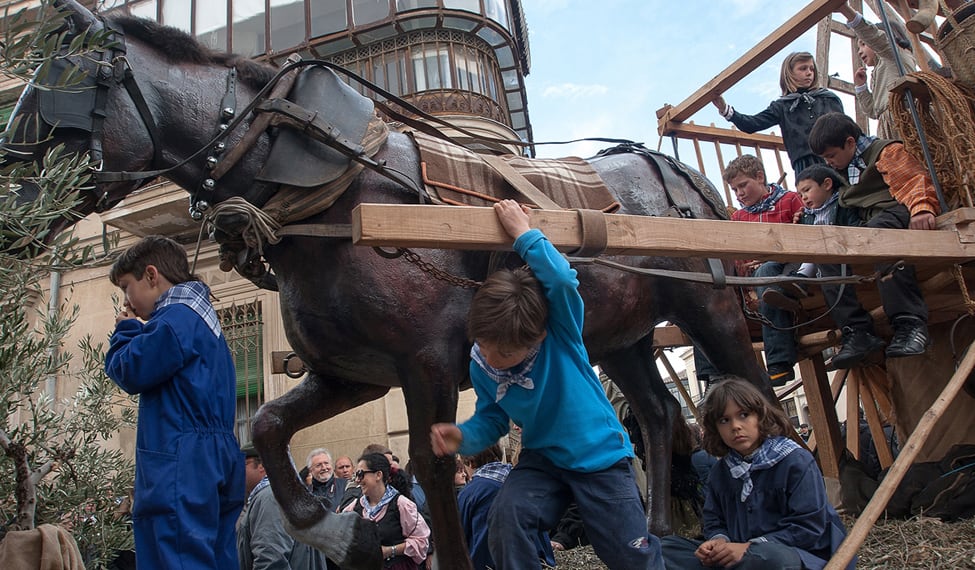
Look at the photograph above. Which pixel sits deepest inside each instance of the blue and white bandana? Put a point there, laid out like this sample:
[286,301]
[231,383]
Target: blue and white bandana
[767,203]
[772,450]
[517,374]
[196,296]
[857,164]
[823,215]
[495,471]
[372,512]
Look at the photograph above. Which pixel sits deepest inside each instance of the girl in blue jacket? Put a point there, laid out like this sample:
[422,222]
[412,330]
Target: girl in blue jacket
[766,505]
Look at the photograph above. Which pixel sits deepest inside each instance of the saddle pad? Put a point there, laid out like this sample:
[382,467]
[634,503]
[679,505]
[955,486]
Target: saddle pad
[455,175]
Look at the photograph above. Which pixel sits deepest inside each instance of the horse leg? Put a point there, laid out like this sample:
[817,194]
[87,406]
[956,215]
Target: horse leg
[718,327]
[634,371]
[345,539]
[431,396]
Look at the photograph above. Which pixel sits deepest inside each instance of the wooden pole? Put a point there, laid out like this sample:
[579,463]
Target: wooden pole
[908,453]
[680,385]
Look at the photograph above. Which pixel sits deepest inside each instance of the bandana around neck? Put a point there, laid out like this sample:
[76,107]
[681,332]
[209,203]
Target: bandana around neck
[821,212]
[517,375]
[195,295]
[772,450]
[371,511]
[767,203]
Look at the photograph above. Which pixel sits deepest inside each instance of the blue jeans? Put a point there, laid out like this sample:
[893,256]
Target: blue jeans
[780,345]
[678,554]
[535,495]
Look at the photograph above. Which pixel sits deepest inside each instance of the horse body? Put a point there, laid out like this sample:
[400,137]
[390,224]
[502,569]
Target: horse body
[363,323]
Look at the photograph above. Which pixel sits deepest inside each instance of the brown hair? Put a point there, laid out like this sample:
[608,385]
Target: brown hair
[491,454]
[786,81]
[509,310]
[165,254]
[771,419]
[746,164]
[832,130]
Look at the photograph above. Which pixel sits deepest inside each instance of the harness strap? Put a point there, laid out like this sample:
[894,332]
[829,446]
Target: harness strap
[718,277]
[128,80]
[594,234]
[317,230]
[258,126]
[521,184]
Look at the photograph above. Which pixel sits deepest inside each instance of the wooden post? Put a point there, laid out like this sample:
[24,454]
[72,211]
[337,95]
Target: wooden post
[884,455]
[680,386]
[853,413]
[908,453]
[822,412]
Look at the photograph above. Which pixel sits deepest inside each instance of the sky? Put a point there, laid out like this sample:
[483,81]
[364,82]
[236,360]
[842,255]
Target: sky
[604,68]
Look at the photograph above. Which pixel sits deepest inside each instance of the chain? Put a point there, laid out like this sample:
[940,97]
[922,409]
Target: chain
[440,274]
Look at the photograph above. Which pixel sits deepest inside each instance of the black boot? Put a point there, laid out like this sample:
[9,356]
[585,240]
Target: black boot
[857,345]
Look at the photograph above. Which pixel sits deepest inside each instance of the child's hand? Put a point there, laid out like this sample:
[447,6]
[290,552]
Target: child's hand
[445,439]
[513,216]
[705,551]
[718,101]
[122,315]
[797,217]
[923,221]
[728,554]
[860,77]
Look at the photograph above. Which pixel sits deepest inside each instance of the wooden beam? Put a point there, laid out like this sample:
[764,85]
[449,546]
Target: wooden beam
[474,228]
[669,337]
[753,58]
[726,136]
[822,414]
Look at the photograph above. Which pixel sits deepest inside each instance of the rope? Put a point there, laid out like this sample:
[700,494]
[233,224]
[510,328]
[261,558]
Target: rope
[960,278]
[949,122]
[260,228]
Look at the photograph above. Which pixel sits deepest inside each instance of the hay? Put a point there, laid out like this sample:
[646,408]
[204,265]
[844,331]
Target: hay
[917,543]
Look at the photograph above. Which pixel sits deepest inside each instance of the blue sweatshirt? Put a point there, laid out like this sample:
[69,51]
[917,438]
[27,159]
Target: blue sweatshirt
[565,416]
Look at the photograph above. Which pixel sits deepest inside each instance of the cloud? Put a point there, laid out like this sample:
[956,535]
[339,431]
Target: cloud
[574,91]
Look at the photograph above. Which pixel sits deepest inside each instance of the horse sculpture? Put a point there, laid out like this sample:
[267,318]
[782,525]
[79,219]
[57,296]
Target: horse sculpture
[363,323]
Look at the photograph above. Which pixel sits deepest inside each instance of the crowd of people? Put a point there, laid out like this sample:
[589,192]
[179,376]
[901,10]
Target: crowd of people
[758,498]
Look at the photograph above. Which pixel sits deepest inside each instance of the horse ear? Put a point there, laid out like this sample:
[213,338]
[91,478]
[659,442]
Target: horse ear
[77,16]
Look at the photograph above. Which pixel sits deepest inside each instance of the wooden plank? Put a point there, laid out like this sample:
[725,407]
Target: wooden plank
[726,136]
[822,414]
[762,52]
[459,227]
[662,357]
[669,337]
[853,413]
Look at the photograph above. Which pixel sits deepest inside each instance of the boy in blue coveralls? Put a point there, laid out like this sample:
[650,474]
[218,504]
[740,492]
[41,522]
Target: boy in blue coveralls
[189,478]
[529,364]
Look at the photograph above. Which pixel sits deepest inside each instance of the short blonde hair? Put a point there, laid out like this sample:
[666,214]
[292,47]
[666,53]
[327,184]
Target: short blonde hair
[786,81]
[747,164]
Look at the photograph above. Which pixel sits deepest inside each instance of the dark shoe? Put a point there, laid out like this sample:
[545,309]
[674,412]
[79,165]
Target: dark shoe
[780,300]
[781,373]
[857,345]
[910,337]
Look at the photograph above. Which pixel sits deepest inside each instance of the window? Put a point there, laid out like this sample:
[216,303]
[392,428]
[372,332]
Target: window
[211,24]
[328,17]
[431,68]
[368,11]
[404,5]
[243,327]
[177,14]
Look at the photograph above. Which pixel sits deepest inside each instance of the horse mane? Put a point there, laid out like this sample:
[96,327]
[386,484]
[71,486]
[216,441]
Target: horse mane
[178,46]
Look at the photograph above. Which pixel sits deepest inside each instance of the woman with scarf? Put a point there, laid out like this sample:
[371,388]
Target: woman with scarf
[766,505]
[802,102]
[403,533]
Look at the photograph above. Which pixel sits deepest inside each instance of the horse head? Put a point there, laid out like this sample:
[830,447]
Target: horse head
[128,110]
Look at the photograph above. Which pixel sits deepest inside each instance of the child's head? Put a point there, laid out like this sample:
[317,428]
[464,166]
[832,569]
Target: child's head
[737,416]
[147,270]
[834,137]
[798,73]
[816,184]
[746,176]
[867,54]
[507,317]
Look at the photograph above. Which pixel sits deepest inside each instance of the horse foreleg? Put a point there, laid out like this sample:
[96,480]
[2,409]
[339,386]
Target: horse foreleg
[634,370]
[345,539]
[434,399]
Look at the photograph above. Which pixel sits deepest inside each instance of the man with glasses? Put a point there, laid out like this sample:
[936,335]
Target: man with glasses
[324,483]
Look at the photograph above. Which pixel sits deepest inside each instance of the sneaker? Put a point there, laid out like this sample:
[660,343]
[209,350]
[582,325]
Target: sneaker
[781,373]
[910,337]
[857,345]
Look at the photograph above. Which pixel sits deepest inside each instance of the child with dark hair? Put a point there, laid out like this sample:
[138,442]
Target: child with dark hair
[529,365]
[385,501]
[890,189]
[765,506]
[802,101]
[189,476]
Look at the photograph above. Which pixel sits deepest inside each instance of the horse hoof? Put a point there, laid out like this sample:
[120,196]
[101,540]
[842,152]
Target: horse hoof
[346,539]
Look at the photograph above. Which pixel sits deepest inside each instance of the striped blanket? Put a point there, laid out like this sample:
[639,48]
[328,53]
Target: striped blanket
[455,175]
